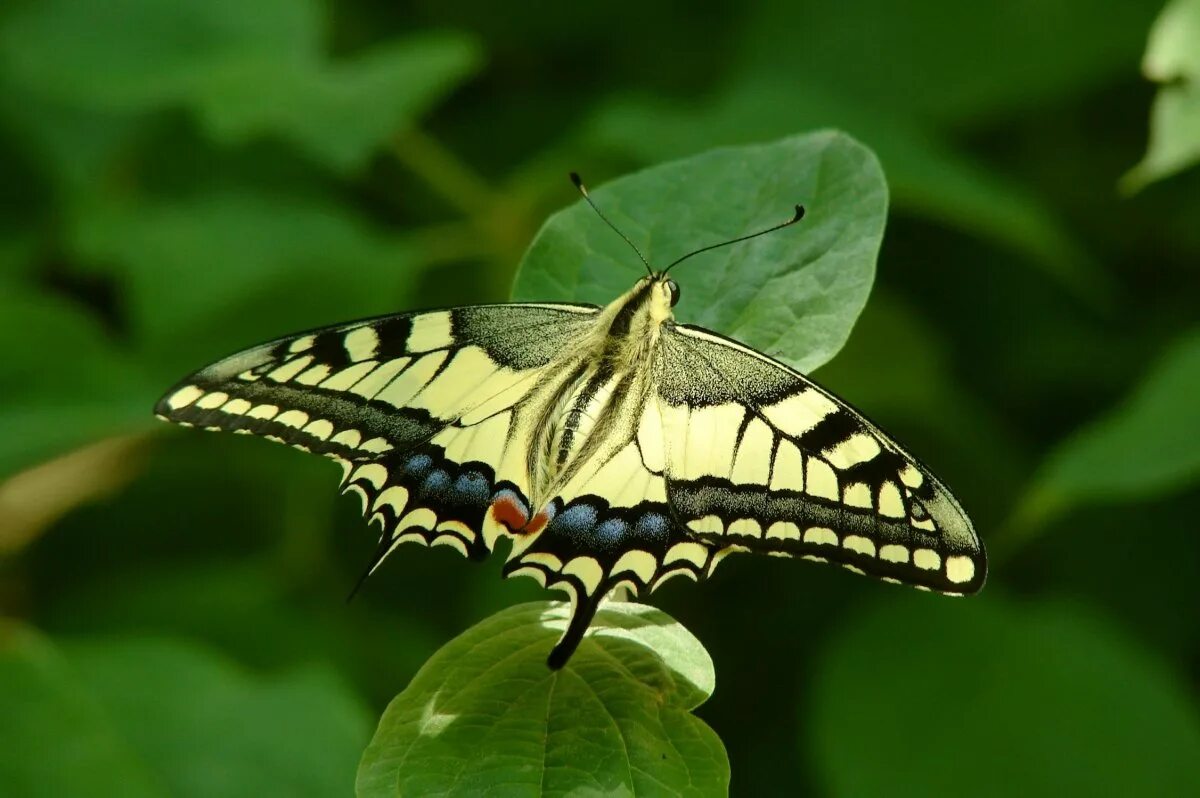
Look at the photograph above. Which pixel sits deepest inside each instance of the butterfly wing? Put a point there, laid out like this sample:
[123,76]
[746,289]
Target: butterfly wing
[759,458]
[419,409]
[610,525]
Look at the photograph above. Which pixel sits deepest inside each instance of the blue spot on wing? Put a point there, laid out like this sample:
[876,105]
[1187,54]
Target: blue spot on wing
[590,527]
[472,488]
[653,528]
[575,521]
[435,485]
[418,464]
[610,534]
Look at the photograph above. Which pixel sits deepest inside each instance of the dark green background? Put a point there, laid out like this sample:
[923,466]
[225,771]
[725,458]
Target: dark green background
[180,179]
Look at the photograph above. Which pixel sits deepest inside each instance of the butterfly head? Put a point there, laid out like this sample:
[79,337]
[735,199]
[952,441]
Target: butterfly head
[673,290]
[662,290]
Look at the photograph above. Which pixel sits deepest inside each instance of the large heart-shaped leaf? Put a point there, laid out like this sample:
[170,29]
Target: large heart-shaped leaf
[794,293]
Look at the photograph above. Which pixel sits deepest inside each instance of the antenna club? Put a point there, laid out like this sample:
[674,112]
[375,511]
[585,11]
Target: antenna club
[578,181]
[799,213]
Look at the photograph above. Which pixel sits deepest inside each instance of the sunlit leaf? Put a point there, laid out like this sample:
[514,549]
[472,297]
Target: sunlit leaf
[987,697]
[794,293]
[486,715]
[1173,59]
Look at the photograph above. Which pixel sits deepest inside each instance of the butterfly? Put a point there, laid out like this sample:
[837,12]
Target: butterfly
[614,446]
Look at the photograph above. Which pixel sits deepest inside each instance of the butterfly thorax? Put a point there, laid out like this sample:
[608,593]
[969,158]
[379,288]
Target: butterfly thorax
[600,388]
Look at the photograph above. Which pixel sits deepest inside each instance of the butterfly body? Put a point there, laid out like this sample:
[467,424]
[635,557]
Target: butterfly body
[614,446]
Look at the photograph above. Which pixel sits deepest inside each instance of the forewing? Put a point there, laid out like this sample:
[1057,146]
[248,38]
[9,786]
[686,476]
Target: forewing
[417,408]
[759,458]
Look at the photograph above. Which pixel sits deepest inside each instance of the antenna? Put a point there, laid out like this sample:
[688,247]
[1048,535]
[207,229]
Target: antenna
[797,216]
[583,190]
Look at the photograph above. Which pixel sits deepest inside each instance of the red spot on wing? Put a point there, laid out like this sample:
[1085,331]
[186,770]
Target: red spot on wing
[537,524]
[506,510]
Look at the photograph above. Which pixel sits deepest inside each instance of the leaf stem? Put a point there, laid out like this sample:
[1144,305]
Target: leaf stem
[444,172]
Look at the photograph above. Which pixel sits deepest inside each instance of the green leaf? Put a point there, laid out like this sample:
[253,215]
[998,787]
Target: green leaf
[340,112]
[248,610]
[56,738]
[214,273]
[78,149]
[1145,447]
[1172,59]
[247,69]
[946,61]
[133,55]
[794,293]
[485,714]
[74,386]
[209,730]
[926,175]
[987,697]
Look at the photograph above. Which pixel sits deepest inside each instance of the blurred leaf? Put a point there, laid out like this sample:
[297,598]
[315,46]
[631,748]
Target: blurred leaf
[926,176]
[63,382]
[78,149]
[245,609]
[131,55]
[56,738]
[948,61]
[1146,447]
[247,68]
[795,293]
[1081,553]
[35,498]
[209,730]
[896,368]
[486,713]
[915,383]
[339,112]
[221,271]
[1172,59]
[928,698]
[16,256]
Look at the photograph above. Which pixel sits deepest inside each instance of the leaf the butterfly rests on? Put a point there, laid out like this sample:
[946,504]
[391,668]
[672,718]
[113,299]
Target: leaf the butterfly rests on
[613,446]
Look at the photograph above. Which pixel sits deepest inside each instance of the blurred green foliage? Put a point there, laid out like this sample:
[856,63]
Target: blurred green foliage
[178,180]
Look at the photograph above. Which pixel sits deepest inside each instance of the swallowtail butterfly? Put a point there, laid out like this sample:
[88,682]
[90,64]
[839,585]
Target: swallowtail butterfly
[615,446]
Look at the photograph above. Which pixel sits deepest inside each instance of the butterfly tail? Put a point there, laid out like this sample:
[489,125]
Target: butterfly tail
[582,613]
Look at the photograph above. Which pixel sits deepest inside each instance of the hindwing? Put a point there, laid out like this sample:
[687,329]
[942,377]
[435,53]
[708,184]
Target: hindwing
[610,525]
[759,458]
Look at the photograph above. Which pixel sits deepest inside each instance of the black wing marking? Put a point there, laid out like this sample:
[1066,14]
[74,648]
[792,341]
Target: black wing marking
[417,408]
[611,527]
[762,459]
[349,390]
